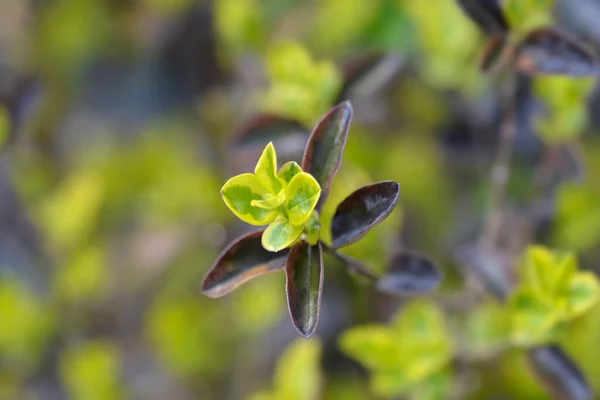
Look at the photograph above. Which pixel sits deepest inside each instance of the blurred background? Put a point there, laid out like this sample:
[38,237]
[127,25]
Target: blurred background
[118,127]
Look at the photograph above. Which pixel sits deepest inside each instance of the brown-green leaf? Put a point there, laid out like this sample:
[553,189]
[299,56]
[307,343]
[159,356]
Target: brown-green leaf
[363,210]
[496,54]
[410,274]
[244,259]
[559,373]
[325,147]
[550,51]
[304,273]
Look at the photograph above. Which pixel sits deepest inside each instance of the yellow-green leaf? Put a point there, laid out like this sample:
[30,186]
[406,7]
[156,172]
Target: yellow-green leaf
[532,321]
[270,203]
[266,169]
[298,375]
[375,346]
[238,194]
[288,171]
[583,293]
[280,235]
[303,194]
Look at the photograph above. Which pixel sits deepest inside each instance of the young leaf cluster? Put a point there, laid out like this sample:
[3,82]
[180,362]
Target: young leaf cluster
[284,200]
[551,292]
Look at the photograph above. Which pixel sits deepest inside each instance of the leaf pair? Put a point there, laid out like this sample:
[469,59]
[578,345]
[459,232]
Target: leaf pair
[552,291]
[285,199]
[416,347]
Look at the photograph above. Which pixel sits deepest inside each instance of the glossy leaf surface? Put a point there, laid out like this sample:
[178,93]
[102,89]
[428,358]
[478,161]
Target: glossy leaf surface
[244,259]
[559,373]
[410,274]
[363,210]
[288,171]
[487,14]
[240,191]
[323,155]
[550,51]
[280,235]
[266,169]
[304,273]
[303,194]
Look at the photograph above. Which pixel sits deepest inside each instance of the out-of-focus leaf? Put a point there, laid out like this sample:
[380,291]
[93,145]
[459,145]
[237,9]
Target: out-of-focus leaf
[437,387]
[301,88]
[487,14]
[550,51]
[280,235]
[303,194]
[532,321]
[410,274]
[525,15]
[25,326]
[375,346]
[85,277]
[559,373]
[4,125]
[239,193]
[69,215]
[92,371]
[244,259]
[324,151]
[367,74]
[363,210]
[239,23]
[304,273]
[584,291]
[298,375]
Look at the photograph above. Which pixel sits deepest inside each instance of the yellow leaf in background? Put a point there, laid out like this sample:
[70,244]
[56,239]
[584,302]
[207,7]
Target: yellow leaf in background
[300,87]
[71,213]
[85,277]
[298,374]
[91,371]
[4,125]
[239,23]
[25,326]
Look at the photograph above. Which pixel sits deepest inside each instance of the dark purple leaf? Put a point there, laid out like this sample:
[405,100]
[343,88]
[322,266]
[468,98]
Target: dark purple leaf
[368,73]
[325,147]
[264,128]
[244,259]
[410,274]
[550,51]
[559,373]
[304,273]
[363,210]
[487,14]
[496,55]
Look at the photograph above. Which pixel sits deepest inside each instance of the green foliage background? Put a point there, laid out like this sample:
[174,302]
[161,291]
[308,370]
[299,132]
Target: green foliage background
[110,212]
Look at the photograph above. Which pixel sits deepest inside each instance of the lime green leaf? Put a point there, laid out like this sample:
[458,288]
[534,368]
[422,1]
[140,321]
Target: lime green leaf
[270,203]
[538,269]
[303,194]
[288,171]
[280,235]
[92,371]
[437,387]
[238,194]
[375,346]
[298,375]
[85,277]
[4,125]
[565,268]
[266,169]
[584,292]
[532,321]
[487,327]
[525,15]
